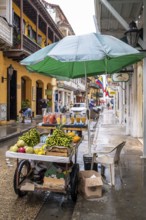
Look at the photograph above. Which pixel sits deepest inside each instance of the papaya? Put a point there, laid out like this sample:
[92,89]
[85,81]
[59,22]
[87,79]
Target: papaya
[76,139]
[71,134]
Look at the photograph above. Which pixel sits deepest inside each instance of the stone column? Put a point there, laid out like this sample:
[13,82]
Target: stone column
[128,108]
[139,100]
[120,103]
[124,102]
[144,83]
[54,88]
[133,127]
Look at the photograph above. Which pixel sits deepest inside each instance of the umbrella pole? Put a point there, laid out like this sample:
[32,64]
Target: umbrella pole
[88,112]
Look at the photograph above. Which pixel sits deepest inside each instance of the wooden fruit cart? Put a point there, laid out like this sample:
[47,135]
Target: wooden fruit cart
[25,169]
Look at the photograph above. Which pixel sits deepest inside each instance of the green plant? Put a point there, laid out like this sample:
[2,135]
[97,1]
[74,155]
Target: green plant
[49,103]
[25,104]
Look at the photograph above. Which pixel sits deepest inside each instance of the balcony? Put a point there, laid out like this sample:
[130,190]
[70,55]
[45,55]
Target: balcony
[29,45]
[19,52]
[99,94]
[66,85]
[32,23]
[93,85]
[70,85]
[5,33]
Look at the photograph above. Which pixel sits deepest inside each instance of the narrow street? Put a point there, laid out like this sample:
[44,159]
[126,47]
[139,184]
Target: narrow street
[44,205]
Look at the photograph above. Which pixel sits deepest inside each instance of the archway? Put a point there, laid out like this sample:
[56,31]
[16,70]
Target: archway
[39,96]
[26,85]
[12,96]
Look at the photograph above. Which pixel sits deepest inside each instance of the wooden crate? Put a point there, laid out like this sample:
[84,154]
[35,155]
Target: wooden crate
[59,154]
[58,151]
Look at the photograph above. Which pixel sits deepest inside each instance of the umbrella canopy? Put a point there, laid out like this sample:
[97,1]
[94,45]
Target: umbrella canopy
[82,56]
[99,53]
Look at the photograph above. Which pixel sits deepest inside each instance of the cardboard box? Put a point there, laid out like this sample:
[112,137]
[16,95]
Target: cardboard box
[90,184]
[54,183]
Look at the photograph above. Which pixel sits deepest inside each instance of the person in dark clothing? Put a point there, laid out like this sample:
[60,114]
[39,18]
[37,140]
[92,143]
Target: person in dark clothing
[44,107]
[91,104]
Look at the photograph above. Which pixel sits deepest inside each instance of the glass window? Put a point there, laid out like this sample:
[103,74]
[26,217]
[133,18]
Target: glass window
[24,25]
[39,39]
[16,20]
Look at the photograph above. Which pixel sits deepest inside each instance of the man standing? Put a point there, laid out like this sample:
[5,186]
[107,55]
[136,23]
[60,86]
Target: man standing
[44,107]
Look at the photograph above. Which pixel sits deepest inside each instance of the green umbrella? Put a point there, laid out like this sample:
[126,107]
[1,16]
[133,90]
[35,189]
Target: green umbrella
[68,58]
[82,56]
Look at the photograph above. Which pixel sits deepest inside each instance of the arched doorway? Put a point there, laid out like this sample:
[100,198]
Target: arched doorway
[26,91]
[39,96]
[12,96]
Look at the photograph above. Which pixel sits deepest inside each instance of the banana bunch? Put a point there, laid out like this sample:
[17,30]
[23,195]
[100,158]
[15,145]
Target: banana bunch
[34,134]
[59,138]
[31,138]
[58,132]
[40,151]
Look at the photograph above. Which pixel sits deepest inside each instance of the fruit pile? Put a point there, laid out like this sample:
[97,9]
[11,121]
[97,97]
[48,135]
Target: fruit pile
[59,138]
[75,138]
[31,138]
[21,147]
[71,134]
[41,150]
[26,142]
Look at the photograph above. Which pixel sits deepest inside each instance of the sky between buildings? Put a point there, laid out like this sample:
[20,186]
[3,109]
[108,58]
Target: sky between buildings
[79,13]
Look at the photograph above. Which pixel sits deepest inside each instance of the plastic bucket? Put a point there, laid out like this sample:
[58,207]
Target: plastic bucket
[87,163]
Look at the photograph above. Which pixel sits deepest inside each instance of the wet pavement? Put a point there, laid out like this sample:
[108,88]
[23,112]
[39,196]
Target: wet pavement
[125,201]
[55,207]
[17,128]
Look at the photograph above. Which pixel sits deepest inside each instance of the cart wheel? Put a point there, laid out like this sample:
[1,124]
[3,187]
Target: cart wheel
[20,175]
[74,182]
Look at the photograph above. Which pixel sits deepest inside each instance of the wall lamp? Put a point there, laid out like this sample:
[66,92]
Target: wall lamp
[10,73]
[132,35]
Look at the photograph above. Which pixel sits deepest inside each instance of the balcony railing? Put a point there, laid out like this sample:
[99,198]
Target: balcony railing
[5,32]
[99,94]
[93,85]
[21,49]
[70,85]
[29,45]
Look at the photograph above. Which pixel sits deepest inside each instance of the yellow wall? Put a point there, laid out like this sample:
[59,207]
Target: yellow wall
[22,72]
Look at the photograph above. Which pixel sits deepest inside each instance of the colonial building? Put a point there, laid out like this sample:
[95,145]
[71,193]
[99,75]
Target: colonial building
[26,27]
[126,20]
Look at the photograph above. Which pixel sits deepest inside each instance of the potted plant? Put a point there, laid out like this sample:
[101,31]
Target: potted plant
[25,104]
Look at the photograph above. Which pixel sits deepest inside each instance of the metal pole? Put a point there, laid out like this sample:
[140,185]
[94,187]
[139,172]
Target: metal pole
[120,103]
[88,115]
